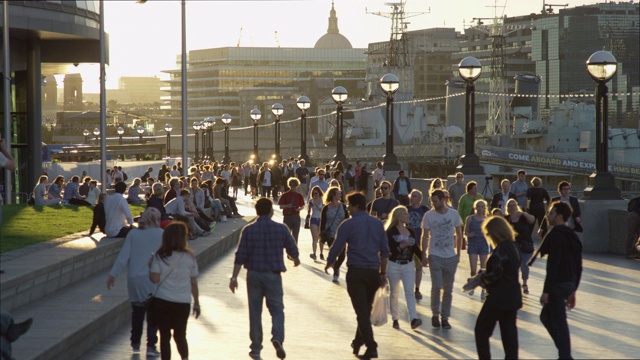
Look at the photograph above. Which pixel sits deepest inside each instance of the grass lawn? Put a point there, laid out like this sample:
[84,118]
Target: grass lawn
[24,225]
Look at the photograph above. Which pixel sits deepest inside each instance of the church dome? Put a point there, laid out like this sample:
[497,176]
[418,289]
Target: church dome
[333,39]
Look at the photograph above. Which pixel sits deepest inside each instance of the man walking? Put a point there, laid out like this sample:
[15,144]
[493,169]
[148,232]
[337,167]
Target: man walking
[564,269]
[442,237]
[260,251]
[382,206]
[457,189]
[367,256]
[402,188]
[291,203]
[519,188]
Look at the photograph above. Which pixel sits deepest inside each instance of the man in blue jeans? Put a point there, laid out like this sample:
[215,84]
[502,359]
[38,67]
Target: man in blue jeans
[367,257]
[564,270]
[260,251]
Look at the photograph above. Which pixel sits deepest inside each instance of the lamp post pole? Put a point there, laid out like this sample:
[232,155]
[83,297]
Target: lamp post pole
[210,121]
[96,133]
[602,65]
[168,128]
[140,131]
[255,115]
[226,119]
[470,70]
[86,134]
[339,95]
[120,133]
[277,109]
[196,128]
[390,84]
[304,104]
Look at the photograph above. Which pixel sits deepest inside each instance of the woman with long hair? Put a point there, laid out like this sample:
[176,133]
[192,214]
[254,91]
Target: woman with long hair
[436,184]
[253,181]
[503,290]
[236,181]
[477,246]
[139,244]
[521,223]
[134,192]
[175,269]
[403,245]
[315,209]
[333,213]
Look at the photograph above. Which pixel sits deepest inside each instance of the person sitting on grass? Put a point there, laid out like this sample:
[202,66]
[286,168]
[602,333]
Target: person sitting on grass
[55,190]
[71,193]
[98,215]
[40,193]
[134,193]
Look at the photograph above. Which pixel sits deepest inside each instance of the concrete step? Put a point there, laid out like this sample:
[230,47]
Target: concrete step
[77,311]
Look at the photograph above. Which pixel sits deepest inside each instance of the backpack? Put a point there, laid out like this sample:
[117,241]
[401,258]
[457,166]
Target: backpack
[124,176]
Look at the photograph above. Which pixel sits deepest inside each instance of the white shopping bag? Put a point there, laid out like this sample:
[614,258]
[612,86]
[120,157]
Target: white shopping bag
[379,308]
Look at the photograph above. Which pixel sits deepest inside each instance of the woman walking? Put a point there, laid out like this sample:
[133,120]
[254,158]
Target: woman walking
[521,222]
[333,213]
[477,246]
[503,290]
[403,245]
[138,246]
[175,269]
[315,209]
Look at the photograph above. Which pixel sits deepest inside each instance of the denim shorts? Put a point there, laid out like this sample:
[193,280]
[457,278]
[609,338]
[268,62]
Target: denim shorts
[477,247]
[315,221]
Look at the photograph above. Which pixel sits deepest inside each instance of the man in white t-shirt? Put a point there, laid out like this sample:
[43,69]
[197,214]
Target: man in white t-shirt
[441,237]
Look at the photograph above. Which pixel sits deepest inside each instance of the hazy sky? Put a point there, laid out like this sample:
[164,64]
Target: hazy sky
[145,38]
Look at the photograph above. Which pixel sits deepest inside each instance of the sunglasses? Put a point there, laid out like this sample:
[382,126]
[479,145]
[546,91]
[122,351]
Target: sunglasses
[384,187]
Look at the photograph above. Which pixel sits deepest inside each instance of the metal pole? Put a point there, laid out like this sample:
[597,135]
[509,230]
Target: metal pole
[303,136]
[6,73]
[168,144]
[197,157]
[277,138]
[467,113]
[255,140]
[103,103]
[183,64]
[389,124]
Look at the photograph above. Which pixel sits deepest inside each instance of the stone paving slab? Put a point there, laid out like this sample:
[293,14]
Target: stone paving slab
[320,322]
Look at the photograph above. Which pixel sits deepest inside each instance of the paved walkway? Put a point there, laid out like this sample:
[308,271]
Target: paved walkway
[320,321]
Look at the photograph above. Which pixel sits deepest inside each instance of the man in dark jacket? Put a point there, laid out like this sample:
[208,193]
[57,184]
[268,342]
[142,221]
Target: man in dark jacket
[402,188]
[573,222]
[564,269]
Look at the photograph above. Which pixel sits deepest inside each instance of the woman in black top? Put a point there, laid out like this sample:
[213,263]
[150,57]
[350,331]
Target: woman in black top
[503,290]
[403,245]
[521,222]
[536,196]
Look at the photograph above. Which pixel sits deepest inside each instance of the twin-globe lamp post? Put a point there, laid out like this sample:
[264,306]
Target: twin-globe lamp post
[168,128]
[277,109]
[390,84]
[602,65]
[196,127]
[255,116]
[470,70]
[303,103]
[339,95]
[226,119]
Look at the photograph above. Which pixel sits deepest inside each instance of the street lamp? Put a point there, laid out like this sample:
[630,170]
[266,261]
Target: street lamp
[210,121]
[470,70]
[277,109]
[86,134]
[168,128]
[96,132]
[196,128]
[140,131]
[120,132]
[255,115]
[226,119]
[303,103]
[602,65]
[390,84]
[339,95]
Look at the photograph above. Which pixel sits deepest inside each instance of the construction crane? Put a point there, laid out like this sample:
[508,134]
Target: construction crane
[548,8]
[239,38]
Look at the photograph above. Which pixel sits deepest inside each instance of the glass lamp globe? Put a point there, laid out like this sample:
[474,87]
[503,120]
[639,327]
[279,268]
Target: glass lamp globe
[226,119]
[96,131]
[389,83]
[168,127]
[470,69]
[120,130]
[303,103]
[277,109]
[339,94]
[602,65]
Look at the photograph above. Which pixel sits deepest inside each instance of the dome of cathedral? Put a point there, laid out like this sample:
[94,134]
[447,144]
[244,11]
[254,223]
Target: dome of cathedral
[333,39]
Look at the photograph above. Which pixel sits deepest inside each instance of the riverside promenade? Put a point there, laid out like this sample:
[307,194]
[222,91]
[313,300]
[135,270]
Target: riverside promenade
[320,321]
[83,320]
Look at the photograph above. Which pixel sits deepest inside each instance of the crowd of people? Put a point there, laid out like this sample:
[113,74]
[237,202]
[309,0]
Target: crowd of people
[385,240]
